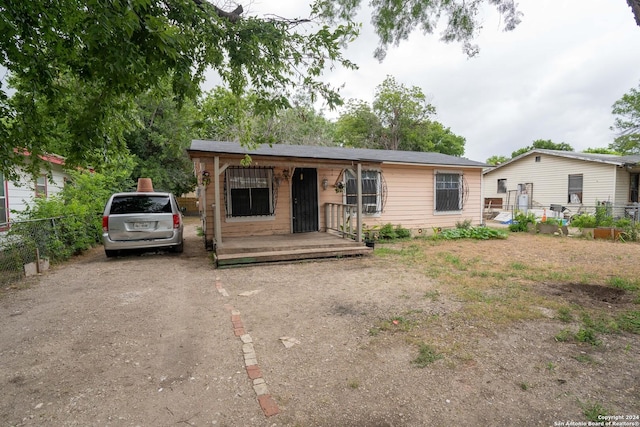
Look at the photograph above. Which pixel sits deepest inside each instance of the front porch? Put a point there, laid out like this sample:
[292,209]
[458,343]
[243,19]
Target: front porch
[238,251]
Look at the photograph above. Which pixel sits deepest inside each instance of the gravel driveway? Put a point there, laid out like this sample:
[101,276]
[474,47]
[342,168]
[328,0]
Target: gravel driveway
[164,340]
[136,340]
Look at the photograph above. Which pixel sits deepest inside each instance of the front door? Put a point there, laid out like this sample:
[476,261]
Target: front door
[304,197]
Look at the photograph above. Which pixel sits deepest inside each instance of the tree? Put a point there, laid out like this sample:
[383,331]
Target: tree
[399,109]
[394,21]
[118,50]
[601,151]
[400,119]
[159,142]
[299,125]
[627,123]
[432,136]
[496,160]
[543,144]
[358,126]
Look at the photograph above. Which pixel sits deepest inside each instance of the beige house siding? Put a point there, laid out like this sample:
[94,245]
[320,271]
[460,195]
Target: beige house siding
[550,178]
[410,193]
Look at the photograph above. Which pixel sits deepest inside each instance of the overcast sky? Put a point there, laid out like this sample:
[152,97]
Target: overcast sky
[555,76]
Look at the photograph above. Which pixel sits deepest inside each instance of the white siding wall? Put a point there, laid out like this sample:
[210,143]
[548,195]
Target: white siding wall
[550,178]
[22,193]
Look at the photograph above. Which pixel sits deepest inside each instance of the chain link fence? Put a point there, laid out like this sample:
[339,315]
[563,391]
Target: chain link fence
[26,247]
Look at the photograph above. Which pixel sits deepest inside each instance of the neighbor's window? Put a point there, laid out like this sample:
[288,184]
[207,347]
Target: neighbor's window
[371,190]
[3,202]
[502,186]
[41,186]
[249,191]
[575,188]
[448,192]
[633,187]
[537,159]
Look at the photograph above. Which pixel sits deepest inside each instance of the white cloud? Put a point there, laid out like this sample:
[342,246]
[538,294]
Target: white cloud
[555,77]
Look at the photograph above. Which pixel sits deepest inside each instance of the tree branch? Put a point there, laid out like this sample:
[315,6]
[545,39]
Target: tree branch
[233,16]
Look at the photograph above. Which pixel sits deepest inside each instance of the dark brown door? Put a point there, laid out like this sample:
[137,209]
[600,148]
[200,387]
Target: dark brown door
[304,193]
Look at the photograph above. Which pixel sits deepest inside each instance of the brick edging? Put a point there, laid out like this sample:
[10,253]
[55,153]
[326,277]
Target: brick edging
[265,399]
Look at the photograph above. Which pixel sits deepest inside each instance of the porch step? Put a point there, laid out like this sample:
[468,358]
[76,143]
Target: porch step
[254,257]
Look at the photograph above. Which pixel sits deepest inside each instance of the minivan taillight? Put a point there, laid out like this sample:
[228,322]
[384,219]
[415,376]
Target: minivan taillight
[105,223]
[176,221]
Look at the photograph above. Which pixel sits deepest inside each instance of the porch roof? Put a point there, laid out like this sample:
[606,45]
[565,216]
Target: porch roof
[332,153]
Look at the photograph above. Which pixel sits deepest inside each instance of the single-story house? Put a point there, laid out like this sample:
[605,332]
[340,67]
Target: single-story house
[289,189]
[569,181]
[16,196]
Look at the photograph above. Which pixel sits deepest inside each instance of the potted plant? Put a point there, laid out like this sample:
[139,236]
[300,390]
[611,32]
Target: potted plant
[370,235]
[549,226]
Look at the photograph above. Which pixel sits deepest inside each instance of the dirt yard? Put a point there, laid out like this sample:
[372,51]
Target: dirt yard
[501,328]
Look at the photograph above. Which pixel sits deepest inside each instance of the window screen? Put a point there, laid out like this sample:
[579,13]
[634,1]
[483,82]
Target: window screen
[249,191]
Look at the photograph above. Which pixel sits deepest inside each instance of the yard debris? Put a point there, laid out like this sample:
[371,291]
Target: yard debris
[289,341]
[250,293]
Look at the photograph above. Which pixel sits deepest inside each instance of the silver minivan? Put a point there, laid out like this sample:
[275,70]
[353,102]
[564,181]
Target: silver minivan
[142,221]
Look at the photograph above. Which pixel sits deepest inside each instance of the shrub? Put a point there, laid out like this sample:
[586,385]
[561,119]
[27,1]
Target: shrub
[402,233]
[584,220]
[521,221]
[387,232]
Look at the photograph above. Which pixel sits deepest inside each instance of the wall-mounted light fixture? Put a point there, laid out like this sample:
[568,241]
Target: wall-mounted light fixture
[325,183]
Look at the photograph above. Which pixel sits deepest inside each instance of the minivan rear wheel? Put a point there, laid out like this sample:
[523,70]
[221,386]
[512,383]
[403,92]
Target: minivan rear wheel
[110,254]
[179,248]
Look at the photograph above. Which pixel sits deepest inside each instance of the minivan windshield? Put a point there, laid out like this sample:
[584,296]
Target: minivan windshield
[140,204]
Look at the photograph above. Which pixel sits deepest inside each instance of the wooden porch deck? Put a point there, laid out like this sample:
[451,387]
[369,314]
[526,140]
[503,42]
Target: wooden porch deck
[238,251]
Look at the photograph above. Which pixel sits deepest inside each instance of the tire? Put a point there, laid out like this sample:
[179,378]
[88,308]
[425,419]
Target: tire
[110,254]
[179,248]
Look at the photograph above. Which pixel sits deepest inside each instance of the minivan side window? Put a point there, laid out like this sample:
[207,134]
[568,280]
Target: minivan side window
[140,204]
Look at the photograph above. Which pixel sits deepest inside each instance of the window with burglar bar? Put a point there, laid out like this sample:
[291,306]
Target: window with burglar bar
[249,191]
[448,192]
[371,190]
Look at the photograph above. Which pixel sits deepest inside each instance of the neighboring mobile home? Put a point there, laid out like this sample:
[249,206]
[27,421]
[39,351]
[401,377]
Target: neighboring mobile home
[576,182]
[290,189]
[16,196]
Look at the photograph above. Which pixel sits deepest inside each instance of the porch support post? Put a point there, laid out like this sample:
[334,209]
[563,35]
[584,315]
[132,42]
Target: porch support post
[359,204]
[217,225]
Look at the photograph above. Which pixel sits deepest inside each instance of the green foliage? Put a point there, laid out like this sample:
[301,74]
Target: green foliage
[71,221]
[552,221]
[521,221]
[387,232]
[77,68]
[496,160]
[402,233]
[627,123]
[583,220]
[603,215]
[159,142]
[594,412]
[467,223]
[478,233]
[587,335]
[426,356]
[630,322]
[545,144]
[399,119]
[394,22]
